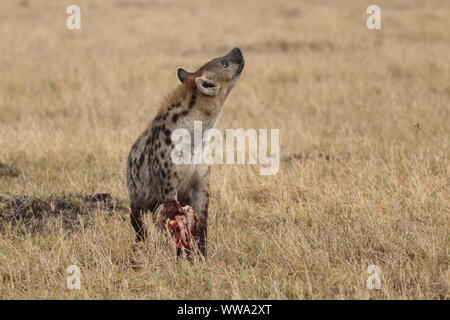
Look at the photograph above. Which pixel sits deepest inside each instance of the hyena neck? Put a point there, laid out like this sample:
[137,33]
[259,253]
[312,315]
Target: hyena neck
[187,104]
[211,108]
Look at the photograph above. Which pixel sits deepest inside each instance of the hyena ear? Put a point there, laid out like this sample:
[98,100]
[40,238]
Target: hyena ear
[183,74]
[208,87]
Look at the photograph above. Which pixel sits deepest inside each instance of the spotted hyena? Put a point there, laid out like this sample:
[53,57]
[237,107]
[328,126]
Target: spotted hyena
[153,178]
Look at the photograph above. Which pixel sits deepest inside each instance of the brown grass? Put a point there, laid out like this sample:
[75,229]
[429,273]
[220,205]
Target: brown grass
[364,119]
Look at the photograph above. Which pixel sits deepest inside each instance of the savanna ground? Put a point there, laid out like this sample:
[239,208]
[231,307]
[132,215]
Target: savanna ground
[365,148]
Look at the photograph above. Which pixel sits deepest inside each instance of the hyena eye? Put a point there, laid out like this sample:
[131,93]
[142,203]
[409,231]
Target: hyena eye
[225,63]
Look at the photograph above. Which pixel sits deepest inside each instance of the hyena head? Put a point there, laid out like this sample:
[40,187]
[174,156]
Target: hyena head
[217,77]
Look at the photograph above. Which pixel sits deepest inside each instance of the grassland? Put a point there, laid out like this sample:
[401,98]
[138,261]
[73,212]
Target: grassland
[365,148]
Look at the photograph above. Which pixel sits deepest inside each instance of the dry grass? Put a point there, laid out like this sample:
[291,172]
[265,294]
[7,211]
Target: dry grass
[364,118]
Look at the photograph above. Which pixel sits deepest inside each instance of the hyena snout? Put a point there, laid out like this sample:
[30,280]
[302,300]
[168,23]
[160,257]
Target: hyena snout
[235,56]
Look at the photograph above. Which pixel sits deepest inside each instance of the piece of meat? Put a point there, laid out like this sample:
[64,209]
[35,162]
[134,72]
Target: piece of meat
[182,223]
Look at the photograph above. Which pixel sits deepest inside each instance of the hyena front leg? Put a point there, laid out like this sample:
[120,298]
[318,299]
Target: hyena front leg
[200,203]
[137,219]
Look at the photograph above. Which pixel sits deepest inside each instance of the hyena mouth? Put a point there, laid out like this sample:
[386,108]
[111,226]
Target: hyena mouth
[235,56]
[240,68]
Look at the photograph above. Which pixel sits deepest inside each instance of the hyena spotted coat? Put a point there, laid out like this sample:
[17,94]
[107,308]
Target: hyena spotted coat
[152,177]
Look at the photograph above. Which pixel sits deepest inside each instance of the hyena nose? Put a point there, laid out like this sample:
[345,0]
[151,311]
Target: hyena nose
[237,51]
[235,55]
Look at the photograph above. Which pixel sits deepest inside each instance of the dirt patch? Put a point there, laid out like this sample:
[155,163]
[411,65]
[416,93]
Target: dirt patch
[32,213]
